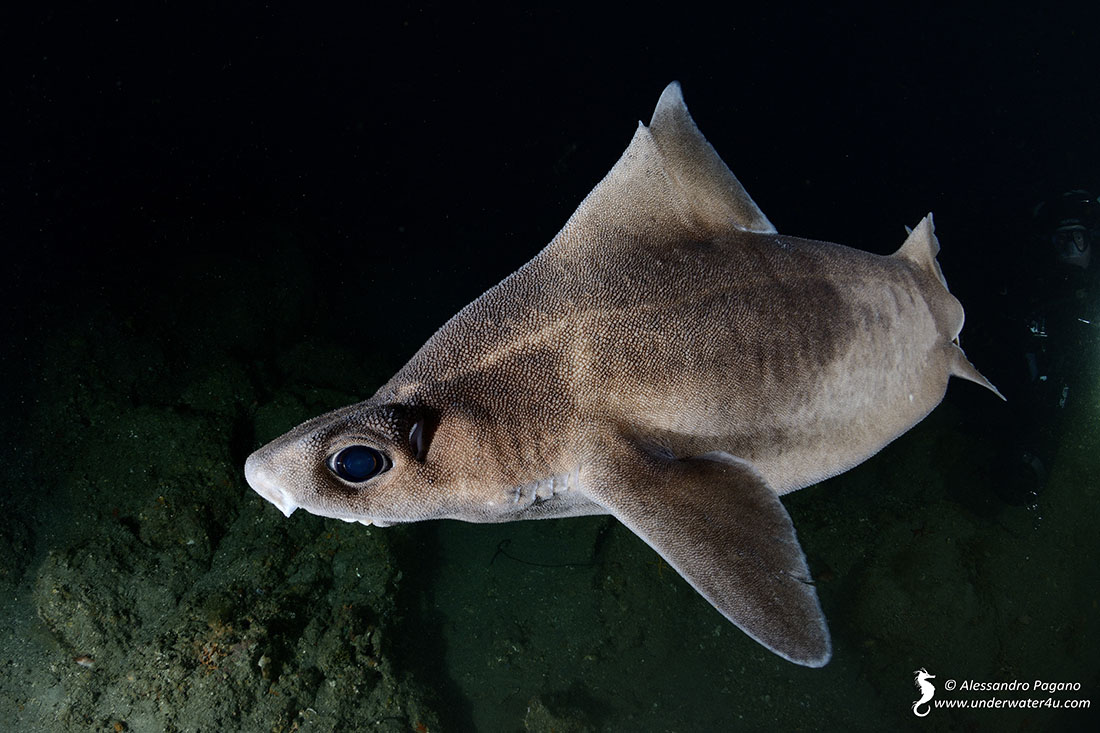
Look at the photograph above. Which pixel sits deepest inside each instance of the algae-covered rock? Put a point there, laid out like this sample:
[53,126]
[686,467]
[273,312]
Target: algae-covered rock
[291,635]
[539,718]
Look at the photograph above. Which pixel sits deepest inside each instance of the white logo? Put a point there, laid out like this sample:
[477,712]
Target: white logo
[926,690]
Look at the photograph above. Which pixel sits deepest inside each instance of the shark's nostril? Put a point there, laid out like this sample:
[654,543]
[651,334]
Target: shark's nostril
[285,505]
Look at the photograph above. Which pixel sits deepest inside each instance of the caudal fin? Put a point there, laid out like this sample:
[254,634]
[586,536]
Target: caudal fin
[961,367]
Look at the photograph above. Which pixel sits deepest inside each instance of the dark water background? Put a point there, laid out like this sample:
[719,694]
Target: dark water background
[218,222]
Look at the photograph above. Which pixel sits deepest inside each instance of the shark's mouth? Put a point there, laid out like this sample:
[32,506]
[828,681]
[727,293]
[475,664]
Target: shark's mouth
[367,522]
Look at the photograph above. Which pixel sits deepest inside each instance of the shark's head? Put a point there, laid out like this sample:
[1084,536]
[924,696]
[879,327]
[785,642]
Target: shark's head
[365,463]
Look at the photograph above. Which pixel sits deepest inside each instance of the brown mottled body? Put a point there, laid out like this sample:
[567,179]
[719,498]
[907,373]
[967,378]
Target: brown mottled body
[668,358]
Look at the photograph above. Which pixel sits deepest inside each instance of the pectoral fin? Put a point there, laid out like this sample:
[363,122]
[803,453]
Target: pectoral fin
[715,520]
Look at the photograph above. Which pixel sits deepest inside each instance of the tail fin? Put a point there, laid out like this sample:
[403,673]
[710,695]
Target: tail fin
[961,367]
[920,249]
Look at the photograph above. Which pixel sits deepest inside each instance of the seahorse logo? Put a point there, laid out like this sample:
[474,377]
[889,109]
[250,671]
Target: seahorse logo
[926,690]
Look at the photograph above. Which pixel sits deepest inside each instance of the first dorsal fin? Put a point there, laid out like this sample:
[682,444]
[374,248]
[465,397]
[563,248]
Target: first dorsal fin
[715,197]
[670,185]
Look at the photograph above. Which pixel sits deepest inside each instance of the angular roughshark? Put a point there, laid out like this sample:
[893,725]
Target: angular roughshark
[669,359]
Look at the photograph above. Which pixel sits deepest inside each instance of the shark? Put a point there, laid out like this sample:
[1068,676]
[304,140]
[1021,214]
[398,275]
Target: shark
[669,359]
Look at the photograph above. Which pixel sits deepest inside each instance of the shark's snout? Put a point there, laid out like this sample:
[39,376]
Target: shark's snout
[263,483]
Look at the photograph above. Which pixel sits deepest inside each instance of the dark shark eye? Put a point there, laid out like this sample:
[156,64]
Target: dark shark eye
[357,463]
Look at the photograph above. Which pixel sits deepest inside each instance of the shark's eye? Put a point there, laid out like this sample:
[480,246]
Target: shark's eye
[357,463]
